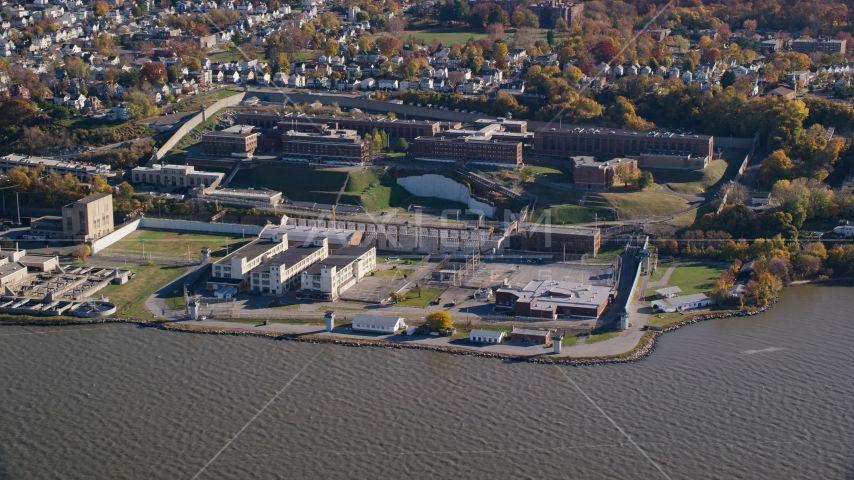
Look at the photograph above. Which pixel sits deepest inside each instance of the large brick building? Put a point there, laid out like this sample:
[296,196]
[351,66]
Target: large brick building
[467,149]
[548,299]
[556,239]
[236,141]
[606,144]
[338,147]
[823,44]
[549,11]
[589,173]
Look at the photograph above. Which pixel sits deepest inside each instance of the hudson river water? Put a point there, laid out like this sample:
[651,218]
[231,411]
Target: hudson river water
[769,396]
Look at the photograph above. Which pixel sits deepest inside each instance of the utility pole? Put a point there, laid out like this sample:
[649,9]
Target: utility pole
[188,253]
[18,202]
[143,249]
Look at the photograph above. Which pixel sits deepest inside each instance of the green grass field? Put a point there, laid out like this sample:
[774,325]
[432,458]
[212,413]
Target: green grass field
[396,273]
[448,36]
[694,278]
[130,297]
[690,278]
[601,337]
[610,251]
[170,244]
[300,184]
[428,295]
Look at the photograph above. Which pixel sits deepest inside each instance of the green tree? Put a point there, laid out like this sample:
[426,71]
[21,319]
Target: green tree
[645,180]
[728,79]
[402,145]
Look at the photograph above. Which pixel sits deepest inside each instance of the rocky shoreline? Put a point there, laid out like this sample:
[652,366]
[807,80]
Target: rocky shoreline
[644,349]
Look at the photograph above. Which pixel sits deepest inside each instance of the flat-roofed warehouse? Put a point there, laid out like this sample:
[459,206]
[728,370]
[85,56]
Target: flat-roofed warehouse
[548,299]
[556,239]
[605,143]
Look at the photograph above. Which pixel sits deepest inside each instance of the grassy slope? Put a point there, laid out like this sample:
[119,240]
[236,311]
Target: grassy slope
[130,297]
[300,184]
[635,204]
[693,181]
[375,192]
[562,205]
[174,244]
[698,181]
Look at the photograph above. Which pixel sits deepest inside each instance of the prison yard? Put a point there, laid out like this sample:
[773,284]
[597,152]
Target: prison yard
[302,184]
[174,245]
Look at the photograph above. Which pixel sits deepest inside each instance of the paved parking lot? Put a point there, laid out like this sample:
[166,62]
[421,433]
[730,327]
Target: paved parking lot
[494,274]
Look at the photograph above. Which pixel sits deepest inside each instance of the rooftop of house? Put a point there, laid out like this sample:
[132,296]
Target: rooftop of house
[376,320]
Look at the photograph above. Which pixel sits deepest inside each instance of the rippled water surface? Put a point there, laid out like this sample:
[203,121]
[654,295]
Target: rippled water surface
[770,396]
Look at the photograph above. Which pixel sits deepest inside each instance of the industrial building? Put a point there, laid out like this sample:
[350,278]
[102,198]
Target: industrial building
[339,271]
[84,172]
[231,270]
[548,299]
[242,196]
[280,273]
[556,239]
[236,141]
[336,147]
[176,176]
[589,173]
[87,219]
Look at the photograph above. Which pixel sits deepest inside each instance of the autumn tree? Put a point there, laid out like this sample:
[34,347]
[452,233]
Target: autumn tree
[775,167]
[397,297]
[440,320]
[82,252]
[605,51]
[153,72]
[389,45]
[626,174]
[100,185]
